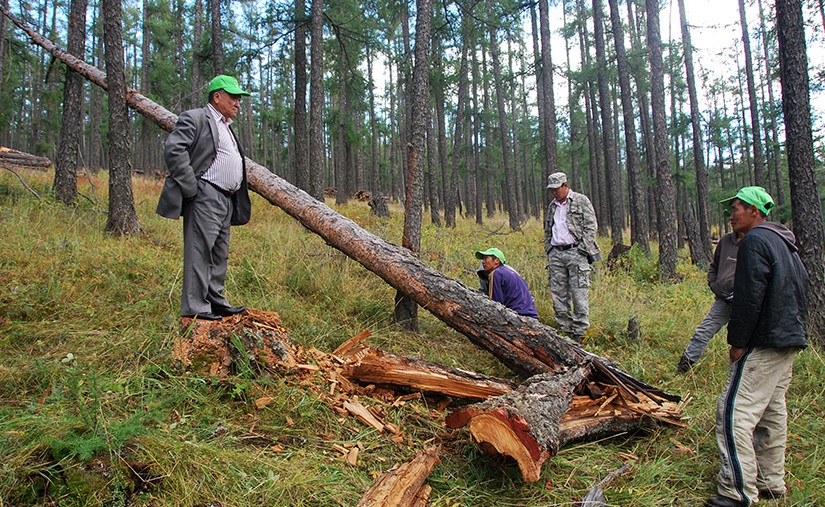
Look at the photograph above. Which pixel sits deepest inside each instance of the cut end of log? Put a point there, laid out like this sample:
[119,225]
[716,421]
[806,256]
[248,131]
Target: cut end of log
[491,430]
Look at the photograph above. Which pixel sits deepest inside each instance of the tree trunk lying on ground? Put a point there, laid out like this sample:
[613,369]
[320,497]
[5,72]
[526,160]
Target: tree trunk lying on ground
[14,159]
[525,345]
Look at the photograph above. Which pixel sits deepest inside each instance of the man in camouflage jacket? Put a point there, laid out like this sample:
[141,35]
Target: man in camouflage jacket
[570,244]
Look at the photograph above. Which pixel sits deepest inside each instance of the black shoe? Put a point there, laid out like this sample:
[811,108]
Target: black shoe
[684,365]
[766,494]
[723,501]
[203,316]
[226,311]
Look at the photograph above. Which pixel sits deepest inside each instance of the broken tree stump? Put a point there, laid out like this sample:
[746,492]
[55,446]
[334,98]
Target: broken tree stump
[403,485]
[548,411]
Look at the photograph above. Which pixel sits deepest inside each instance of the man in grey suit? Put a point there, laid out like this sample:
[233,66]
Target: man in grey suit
[207,186]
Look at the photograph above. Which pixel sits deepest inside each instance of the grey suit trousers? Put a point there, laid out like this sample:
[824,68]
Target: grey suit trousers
[206,220]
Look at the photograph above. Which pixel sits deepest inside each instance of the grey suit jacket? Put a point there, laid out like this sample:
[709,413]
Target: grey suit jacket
[189,151]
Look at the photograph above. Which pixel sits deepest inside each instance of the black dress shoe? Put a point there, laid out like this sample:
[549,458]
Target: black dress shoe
[723,501]
[226,311]
[204,316]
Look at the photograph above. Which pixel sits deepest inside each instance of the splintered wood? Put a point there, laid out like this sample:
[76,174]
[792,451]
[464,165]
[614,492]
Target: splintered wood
[403,485]
[529,422]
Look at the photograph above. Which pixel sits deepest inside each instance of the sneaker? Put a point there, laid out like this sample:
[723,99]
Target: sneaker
[685,364]
[723,501]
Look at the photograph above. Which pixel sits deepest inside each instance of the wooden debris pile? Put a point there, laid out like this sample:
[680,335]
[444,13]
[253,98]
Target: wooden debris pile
[529,422]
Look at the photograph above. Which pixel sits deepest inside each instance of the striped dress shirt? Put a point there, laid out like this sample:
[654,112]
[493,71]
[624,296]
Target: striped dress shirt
[226,172]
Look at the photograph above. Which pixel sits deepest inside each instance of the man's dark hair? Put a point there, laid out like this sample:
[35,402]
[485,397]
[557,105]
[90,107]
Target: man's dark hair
[212,94]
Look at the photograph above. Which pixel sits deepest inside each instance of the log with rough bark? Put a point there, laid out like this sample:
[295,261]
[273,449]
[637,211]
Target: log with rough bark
[403,485]
[548,411]
[13,159]
[523,344]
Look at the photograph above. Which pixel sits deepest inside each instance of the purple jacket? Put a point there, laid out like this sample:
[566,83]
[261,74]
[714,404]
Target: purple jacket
[509,288]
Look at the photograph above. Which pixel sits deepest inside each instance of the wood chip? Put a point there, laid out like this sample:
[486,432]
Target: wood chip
[355,408]
[352,456]
[262,402]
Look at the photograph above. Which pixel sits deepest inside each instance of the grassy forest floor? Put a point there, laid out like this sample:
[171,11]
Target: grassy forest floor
[88,387]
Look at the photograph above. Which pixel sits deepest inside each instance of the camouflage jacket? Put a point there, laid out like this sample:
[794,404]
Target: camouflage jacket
[581,221]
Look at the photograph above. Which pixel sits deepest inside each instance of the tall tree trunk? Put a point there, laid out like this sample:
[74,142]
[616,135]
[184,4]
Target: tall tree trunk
[123,218]
[217,37]
[3,42]
[805,199]
[549,98]
[638,207]
[667,208]
[70,153]
[758,162]
[198,79]
[316,102]
[611,167]
[300,141]
[406,309]
[572,107]
[450,197]
[773,156]
[342,160]
[537,62]
[441,124]
[432,170]
[509,180]
[705,252]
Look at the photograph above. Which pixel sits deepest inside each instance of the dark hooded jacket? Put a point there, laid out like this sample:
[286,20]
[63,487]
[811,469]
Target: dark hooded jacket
[770,291]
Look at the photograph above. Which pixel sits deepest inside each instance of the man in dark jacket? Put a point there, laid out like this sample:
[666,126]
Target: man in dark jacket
[720,281]
[766,330]
[207,187]
[503,283]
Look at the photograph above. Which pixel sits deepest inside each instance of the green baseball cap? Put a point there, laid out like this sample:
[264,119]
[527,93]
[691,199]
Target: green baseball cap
[755,196]
[226,83]
[495,252]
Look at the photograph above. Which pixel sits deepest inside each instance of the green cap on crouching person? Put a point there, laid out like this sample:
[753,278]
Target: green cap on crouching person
[495,252]
[755,196]
[226,83]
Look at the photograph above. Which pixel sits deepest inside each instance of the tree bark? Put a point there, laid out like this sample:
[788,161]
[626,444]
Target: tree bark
[217,37]
[667,208]
[758,162]
[611,167]
[509,180]
[300,140]
[805,199]
[705,253]
[69,153]
[549,139]
[406,309]
[123,218]
[638,205]
[316,103]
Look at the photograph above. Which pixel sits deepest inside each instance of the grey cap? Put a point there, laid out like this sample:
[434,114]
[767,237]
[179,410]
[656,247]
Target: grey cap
[556,180]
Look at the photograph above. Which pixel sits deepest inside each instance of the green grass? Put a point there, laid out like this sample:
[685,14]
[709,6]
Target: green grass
[90,399]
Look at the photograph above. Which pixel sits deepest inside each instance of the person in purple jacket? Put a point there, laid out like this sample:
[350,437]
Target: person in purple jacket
[504,284]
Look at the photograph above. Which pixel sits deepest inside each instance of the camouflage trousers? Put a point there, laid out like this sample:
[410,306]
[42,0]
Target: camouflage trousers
[569,282]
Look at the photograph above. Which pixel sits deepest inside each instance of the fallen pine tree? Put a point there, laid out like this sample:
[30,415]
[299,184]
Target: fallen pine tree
[525,345]
[13,159]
